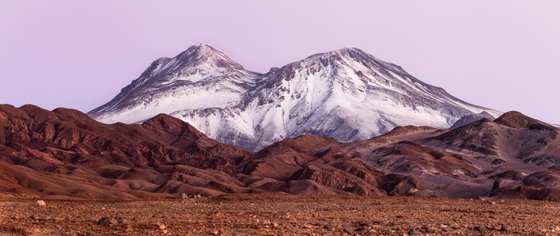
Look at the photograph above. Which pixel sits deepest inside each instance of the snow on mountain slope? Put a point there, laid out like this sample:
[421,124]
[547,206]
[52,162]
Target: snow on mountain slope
[346,94]
[200,77]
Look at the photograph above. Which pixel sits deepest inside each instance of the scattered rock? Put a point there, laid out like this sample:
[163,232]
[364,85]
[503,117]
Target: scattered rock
[106,221]
[215,232]
[184,196]
[348,229]
[480,228]
[161,226]
[41,203]
[504,228]
[119,219]
[428,229]
[413,232]
[363,226]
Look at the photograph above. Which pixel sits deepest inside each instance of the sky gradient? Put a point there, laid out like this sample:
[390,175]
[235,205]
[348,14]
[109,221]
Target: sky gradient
[502,54]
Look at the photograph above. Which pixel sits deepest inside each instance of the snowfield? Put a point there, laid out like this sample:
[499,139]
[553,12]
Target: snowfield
[345,94]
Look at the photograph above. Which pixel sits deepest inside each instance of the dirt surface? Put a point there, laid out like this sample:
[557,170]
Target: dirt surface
[281,215]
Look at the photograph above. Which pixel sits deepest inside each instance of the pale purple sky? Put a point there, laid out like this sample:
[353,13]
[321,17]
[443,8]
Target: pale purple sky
[503,54]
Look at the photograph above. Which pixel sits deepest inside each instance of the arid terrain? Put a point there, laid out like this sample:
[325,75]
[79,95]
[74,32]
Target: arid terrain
[258,214]
[64,154]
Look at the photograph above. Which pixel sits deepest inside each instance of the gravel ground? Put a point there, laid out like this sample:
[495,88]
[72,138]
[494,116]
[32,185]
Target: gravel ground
[280,215]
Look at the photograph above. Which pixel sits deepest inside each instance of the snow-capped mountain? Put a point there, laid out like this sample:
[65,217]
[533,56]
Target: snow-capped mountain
[198,78]
[346,94]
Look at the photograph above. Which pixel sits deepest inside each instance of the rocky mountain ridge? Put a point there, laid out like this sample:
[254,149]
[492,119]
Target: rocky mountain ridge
[65,154]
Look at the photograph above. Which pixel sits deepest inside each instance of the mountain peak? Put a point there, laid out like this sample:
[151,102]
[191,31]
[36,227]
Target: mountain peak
[206,55]
[470,118]
[205,45]
[518,120]
[172,125]
[354,56]
[204,49]
[349,50]
[339,53]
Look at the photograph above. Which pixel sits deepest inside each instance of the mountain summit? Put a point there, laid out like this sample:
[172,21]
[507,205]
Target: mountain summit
[183,82]
[346,94]
[205,55]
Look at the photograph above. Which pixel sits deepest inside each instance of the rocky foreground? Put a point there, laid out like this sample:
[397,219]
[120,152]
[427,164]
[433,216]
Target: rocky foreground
[258,214]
